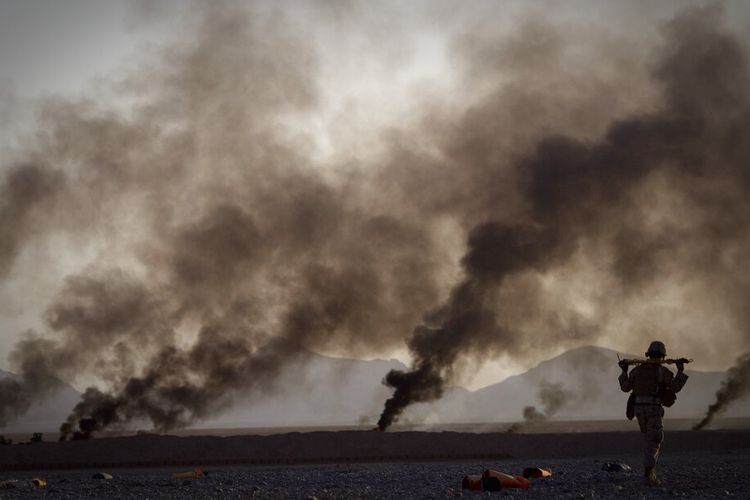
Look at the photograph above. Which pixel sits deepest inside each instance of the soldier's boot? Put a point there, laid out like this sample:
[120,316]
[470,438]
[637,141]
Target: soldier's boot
[650,477]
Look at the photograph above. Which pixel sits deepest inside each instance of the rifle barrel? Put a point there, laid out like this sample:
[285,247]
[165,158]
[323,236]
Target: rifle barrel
[668,361]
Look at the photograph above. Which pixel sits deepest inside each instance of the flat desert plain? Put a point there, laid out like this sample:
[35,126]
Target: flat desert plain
[371,464]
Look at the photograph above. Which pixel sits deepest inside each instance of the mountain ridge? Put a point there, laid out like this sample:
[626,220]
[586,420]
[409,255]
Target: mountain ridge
[322,390]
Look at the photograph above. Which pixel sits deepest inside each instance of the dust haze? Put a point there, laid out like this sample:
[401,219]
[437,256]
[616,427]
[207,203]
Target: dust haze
[559,184]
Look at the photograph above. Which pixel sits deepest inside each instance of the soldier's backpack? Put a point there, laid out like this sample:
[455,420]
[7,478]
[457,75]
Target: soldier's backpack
[650,381]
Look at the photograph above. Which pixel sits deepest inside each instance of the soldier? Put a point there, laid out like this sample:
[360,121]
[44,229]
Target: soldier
[648,381]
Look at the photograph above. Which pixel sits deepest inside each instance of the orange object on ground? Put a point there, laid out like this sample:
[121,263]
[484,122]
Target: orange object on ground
[472,483]
[536,472]
[197,472]
[496,478]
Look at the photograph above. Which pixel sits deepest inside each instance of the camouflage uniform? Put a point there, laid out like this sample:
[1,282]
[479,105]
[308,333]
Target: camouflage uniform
[648,409]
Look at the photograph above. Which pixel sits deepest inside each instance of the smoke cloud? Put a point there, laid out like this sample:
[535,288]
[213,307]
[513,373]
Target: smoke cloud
[207,219]
[581,194]
[25,195]
[553,397]
[551,192]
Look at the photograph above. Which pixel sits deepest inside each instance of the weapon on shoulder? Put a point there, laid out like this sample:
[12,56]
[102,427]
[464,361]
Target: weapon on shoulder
[667,361]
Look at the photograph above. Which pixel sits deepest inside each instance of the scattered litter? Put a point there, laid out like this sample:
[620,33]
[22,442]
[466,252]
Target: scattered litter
[8,484]
[102,475]
[616,467]
[492,479]
[197,472]
[472,483]
[38,483]
[535,472]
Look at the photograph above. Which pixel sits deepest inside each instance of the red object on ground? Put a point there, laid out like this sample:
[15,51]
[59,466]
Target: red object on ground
[197,472]
[506,480]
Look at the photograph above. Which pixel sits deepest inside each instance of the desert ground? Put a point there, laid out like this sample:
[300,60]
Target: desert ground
[370,464]
[697,475]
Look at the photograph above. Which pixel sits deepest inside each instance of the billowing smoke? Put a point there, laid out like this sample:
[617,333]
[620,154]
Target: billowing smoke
[582,194]
[553,397]
[214,243]
[221,251]
[34,381]
[531,414]
[735,385]
[165,393]
[26,195]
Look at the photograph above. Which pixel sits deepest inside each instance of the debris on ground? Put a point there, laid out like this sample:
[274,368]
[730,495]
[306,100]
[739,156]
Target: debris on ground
[616,467]
[102,475]
[536,472]
[197,472]
[493,480]
[472,483]
[8,484]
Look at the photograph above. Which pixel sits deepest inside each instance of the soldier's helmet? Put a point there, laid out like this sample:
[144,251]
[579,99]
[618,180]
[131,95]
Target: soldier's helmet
[657,349]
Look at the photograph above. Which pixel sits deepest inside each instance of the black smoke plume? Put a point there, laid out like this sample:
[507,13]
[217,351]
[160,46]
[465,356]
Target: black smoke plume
[531,414]
[553,397]
[33,380]
[734,386]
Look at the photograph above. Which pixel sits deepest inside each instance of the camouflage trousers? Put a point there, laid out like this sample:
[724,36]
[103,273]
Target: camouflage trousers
[650,421]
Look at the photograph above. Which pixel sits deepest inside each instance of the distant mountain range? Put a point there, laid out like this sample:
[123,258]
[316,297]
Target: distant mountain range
[320,390]
[332,391]
[584,385]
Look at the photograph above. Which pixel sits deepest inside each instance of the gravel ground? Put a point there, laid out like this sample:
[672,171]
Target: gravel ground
[699,475]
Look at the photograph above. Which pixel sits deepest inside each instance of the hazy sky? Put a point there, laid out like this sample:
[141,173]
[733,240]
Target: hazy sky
[374,67]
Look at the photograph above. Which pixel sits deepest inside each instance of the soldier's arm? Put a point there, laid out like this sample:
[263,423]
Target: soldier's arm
[678,381]
[626,381]
[672,381]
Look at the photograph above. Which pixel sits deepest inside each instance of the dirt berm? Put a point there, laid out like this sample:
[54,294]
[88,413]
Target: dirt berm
[344,446]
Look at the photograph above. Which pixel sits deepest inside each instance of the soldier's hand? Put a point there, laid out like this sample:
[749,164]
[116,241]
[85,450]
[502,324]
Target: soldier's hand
[623,365]
[680,364]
